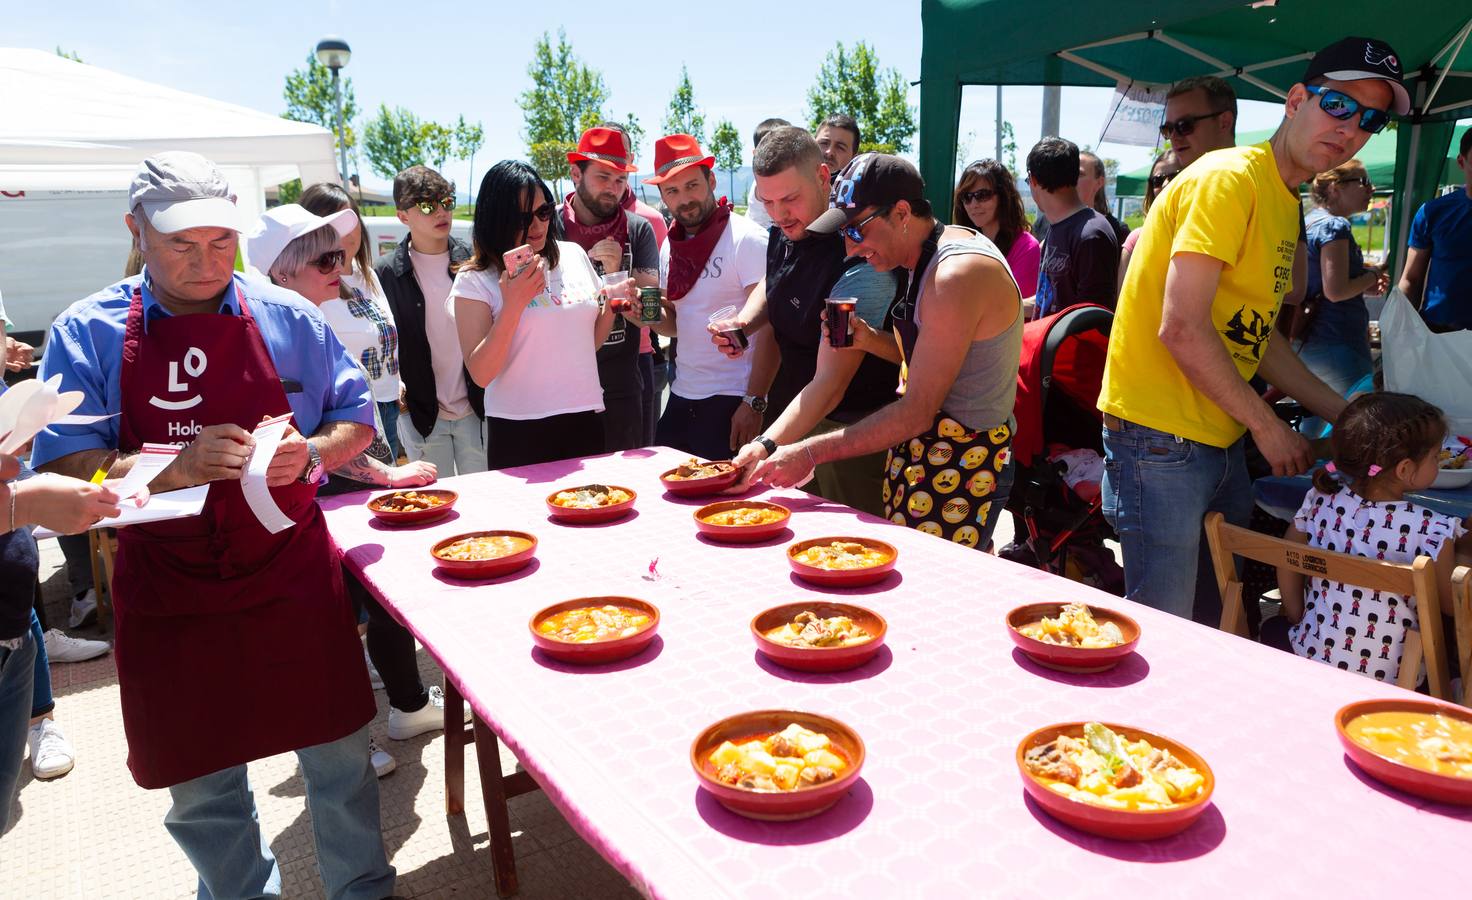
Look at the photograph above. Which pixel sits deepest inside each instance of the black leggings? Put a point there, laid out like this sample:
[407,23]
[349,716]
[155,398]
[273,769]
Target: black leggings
[391,648]
[525,442]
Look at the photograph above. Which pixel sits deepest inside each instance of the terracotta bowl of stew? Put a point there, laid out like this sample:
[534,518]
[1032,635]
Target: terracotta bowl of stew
[1079,660]
[1120,824]
[442,508]
[524,549]
[776,806]
[595,651]
[701,487]
[741,534]
[1411,779]
[842,577]
[819,659]
[581,516]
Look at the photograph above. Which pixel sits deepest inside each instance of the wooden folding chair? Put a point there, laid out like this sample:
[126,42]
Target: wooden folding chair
[1462,591]
[101,545]
[1417,579]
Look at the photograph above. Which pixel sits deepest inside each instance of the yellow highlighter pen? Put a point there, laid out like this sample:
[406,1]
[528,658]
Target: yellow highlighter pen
[106,467]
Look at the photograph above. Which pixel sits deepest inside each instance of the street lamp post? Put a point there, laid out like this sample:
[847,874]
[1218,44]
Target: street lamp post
[334,53]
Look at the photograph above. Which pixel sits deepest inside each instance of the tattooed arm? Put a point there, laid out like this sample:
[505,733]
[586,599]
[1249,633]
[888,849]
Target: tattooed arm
[369,467]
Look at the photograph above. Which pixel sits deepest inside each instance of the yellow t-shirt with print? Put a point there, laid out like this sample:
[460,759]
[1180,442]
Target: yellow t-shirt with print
[1230,205]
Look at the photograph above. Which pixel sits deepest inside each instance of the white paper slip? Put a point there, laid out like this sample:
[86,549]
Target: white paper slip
[150,461]
[268,437]
[180,504]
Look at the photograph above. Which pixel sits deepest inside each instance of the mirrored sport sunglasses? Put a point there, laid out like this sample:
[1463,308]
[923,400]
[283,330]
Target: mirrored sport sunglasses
[980,195]
[1342,106]
[543,213]
[330,261]
[1185,124]
[428,206]
[855,232]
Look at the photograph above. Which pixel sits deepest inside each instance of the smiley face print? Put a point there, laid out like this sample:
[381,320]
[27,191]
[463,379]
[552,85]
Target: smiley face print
[940,453]
[967,536]
[982,483]
[894,464]
[955,510]
[929,528]
[974,457]
[914,474]
[917,450]
[950,429]
[946,481]
[920,505]
[999,434]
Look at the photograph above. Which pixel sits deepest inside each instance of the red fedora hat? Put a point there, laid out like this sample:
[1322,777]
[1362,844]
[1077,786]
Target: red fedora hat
[674,153]
[604,146]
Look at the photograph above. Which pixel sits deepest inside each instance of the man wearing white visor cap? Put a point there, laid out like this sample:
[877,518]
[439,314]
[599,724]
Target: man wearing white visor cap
[235,640]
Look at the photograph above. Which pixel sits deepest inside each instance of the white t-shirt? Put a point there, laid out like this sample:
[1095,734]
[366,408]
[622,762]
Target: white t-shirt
[552,368]
[432,271]
[756,210]
[366,328]
[738,261]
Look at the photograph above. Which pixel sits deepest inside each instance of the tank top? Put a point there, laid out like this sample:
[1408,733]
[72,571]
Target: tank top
[985,389]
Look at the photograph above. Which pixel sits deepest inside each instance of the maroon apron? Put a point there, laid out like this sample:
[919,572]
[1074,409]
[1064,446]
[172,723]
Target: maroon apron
[232,643]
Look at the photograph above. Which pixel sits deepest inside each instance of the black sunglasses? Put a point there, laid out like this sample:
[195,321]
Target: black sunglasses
[855,232]
[542,213]
[1342,106]
[329,262]
[1163,179]
[1359,180]
[1185,124]
[428,206]
[978,196]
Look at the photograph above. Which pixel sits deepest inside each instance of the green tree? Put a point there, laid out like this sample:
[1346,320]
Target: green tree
[549,158]
[852,82]
[438,142]
[566,96]
[468,140]
[683,116]
[634,132]
[67,54]
[726,146]
[393,140]
[1009,149]
[309,98]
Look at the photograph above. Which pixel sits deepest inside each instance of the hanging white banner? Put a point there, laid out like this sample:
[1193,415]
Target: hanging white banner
[1135,115]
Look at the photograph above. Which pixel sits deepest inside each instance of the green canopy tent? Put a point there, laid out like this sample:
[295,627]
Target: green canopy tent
[1261,48]
[1378,155]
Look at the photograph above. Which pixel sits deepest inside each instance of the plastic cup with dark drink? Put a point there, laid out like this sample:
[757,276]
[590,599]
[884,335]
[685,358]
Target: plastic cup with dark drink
[649,304]
[840,321]
[611,286]
[724,319]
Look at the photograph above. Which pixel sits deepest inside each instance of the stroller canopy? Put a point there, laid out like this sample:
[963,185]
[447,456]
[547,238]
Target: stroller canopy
[1065,352]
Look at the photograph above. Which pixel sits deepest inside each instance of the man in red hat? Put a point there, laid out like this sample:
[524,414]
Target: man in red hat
[713,260]
[593,217]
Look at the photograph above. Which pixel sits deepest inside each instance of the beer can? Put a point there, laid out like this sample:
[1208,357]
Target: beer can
[649,304]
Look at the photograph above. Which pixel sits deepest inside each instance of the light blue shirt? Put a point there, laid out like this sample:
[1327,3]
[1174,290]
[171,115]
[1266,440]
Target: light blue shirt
[873,289]
[86,347]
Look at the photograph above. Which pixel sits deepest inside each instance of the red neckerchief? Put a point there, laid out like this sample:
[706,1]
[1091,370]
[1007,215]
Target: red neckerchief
[687,257]
[585,236]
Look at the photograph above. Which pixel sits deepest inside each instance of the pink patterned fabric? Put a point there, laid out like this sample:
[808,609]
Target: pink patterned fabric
[940,810]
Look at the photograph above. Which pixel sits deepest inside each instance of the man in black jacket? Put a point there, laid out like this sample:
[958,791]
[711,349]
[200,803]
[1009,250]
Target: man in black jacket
[442,411]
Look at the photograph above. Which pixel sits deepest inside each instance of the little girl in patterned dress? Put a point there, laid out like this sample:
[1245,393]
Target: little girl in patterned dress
[1385,445]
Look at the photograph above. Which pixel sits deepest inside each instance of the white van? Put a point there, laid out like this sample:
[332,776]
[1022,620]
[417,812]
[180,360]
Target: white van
[57,247]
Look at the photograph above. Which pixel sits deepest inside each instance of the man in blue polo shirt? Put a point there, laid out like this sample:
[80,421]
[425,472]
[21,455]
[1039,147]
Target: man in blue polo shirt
[1441,241]
[235,640]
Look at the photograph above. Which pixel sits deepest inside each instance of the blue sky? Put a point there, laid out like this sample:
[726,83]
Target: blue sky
[746,61]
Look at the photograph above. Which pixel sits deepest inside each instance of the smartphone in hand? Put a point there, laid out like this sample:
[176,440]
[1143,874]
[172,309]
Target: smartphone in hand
[518,259]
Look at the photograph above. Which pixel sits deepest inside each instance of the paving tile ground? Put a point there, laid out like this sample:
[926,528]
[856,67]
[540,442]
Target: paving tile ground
[95,834]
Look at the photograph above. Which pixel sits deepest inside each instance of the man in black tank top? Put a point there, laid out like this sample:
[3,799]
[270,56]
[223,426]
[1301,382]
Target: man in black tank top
[947,473]
[813,390]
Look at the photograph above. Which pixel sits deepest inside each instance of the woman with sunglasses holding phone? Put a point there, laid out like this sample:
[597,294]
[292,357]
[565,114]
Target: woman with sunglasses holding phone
[988,201]
[530,333]
[1167,165]
[1336,345]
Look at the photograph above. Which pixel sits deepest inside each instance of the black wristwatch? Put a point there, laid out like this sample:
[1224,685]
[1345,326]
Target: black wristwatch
[758,404]
[767,444]
[313,472]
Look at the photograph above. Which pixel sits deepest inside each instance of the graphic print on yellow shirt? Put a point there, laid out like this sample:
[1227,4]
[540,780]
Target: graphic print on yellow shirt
[1230,205]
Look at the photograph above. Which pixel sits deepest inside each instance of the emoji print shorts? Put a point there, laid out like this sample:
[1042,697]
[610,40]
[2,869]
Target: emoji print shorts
[950,482]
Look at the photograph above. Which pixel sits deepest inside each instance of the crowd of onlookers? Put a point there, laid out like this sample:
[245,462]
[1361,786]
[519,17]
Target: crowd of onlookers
[557,330]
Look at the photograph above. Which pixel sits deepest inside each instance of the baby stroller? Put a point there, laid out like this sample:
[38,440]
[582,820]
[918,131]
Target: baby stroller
[1058,449]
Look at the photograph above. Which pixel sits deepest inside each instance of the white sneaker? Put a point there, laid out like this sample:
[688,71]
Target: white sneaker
[63,648]
[51,753]
[374,678]
[383,763]
[430,717]
[84,609]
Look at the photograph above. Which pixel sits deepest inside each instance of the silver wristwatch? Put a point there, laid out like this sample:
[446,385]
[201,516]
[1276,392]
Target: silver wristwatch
[313,472]
[758,404]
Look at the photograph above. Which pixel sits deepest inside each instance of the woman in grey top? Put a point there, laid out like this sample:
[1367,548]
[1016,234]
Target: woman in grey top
[958,336]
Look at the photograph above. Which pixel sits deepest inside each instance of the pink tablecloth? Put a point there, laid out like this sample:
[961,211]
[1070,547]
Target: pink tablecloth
[940,810]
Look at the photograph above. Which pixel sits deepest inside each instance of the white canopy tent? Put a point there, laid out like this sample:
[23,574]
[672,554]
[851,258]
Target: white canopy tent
[74,127]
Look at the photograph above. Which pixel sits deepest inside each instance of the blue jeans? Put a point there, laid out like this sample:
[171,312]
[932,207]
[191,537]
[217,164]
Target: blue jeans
[701,427]
[41,700]
[388,411]
[1339,364]
[16,670]
[214,820]
[1157,490]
